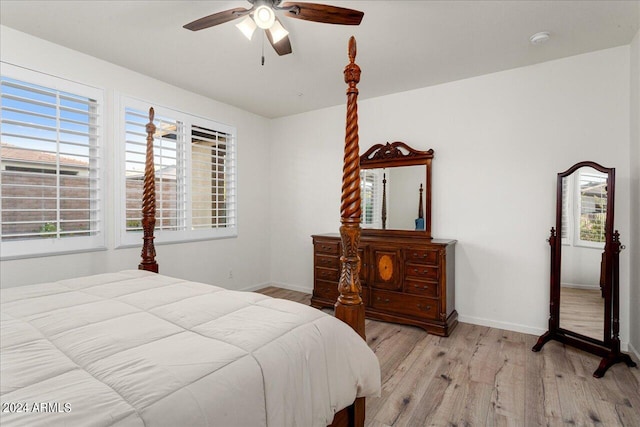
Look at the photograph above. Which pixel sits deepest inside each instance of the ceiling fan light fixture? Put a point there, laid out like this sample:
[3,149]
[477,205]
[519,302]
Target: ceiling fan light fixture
[264,16]
[278,32]
[247,26]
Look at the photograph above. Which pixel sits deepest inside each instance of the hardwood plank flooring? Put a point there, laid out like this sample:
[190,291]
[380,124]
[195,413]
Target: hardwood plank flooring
[482,376]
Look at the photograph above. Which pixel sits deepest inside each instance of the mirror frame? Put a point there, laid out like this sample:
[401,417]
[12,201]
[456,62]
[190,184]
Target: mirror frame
[609,347]
[391,155]
[608,232]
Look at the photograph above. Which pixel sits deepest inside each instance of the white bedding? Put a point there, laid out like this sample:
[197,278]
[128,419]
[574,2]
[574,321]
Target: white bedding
[139,349]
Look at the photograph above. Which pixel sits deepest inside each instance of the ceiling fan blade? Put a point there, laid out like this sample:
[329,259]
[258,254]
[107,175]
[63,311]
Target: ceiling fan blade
[322,13]
[217,19]
[283,47]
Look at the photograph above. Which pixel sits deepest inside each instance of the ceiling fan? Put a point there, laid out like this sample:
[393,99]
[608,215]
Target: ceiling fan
[262,15]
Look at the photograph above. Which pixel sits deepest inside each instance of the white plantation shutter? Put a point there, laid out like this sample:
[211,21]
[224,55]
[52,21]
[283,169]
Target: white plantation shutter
[50,157]
[195,175]
[212,179]
[170,169]
[592,205]
[567,195]
[371,196]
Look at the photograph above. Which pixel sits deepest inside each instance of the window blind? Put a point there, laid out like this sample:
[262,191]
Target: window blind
[566,208]
[212,179]
[371,196]
[194,164]
[593,206]
[50,182]
[169,167]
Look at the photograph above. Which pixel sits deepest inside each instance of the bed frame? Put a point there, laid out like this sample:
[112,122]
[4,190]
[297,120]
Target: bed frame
[349,307]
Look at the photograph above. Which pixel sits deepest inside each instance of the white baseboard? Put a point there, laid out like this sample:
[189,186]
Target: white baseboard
[255,287]
[580,286]
[502,325]
[635,352]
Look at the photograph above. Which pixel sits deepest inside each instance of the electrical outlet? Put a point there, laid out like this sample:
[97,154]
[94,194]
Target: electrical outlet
[230,274]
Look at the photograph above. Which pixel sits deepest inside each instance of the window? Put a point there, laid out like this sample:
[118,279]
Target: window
[371,196]
[50,165]
[584,200]
[194,161]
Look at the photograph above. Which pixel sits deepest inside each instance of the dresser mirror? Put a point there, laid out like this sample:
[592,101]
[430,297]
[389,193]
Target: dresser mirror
[395,182]
[584,299]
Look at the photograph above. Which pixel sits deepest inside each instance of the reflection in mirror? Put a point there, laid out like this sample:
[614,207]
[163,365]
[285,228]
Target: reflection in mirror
[402,191]
[584,207]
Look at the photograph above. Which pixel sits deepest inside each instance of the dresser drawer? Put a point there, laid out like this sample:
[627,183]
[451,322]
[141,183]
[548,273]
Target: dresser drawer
[324,247]
[421,256]
[418,287]
[420,271]
[329,290]
[328,274]
[328,261]
[326,290]
[405,304]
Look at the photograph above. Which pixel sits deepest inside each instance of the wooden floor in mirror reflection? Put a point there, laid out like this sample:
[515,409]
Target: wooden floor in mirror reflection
[582,311]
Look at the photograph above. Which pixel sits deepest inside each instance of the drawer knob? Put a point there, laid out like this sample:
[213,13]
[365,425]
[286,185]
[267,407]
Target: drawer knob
[386,300]
[424,307]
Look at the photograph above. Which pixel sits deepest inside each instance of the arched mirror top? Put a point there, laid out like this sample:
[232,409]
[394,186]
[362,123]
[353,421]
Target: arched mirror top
[396,189]
[594,165]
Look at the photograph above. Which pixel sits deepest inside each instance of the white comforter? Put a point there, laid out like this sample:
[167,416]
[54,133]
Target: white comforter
[139,349]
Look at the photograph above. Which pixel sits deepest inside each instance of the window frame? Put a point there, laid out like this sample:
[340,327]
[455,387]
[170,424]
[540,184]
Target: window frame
[130,238]
[31,248]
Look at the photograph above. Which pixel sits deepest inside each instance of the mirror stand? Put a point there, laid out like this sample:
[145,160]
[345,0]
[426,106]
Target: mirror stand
[584,222]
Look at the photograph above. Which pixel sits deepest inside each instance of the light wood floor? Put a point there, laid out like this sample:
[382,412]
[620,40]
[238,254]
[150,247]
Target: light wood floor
[482,376]
[582,311]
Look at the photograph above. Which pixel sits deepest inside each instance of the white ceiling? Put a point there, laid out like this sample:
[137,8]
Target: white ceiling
[402,45]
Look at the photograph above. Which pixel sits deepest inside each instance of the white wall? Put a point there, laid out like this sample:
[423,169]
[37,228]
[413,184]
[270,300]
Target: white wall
[499,141]
[634,241]
[581,266]
[208,261]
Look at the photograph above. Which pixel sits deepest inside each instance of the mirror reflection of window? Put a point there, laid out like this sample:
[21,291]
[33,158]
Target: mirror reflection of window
[371,195]
[593,206]
[584,207]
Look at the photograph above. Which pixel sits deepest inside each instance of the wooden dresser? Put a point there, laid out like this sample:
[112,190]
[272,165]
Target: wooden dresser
[406,277]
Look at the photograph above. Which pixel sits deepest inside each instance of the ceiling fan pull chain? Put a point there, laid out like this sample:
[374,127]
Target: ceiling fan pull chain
[263,48]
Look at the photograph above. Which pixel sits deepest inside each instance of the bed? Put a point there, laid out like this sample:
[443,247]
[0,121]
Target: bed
[137,348]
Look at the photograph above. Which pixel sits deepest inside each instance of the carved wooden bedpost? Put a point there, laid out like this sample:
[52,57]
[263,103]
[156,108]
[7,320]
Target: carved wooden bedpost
[149,202]
[349,308]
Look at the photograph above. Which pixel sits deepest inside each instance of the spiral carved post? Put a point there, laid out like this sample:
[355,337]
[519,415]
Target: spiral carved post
[149,203]
[349,306]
